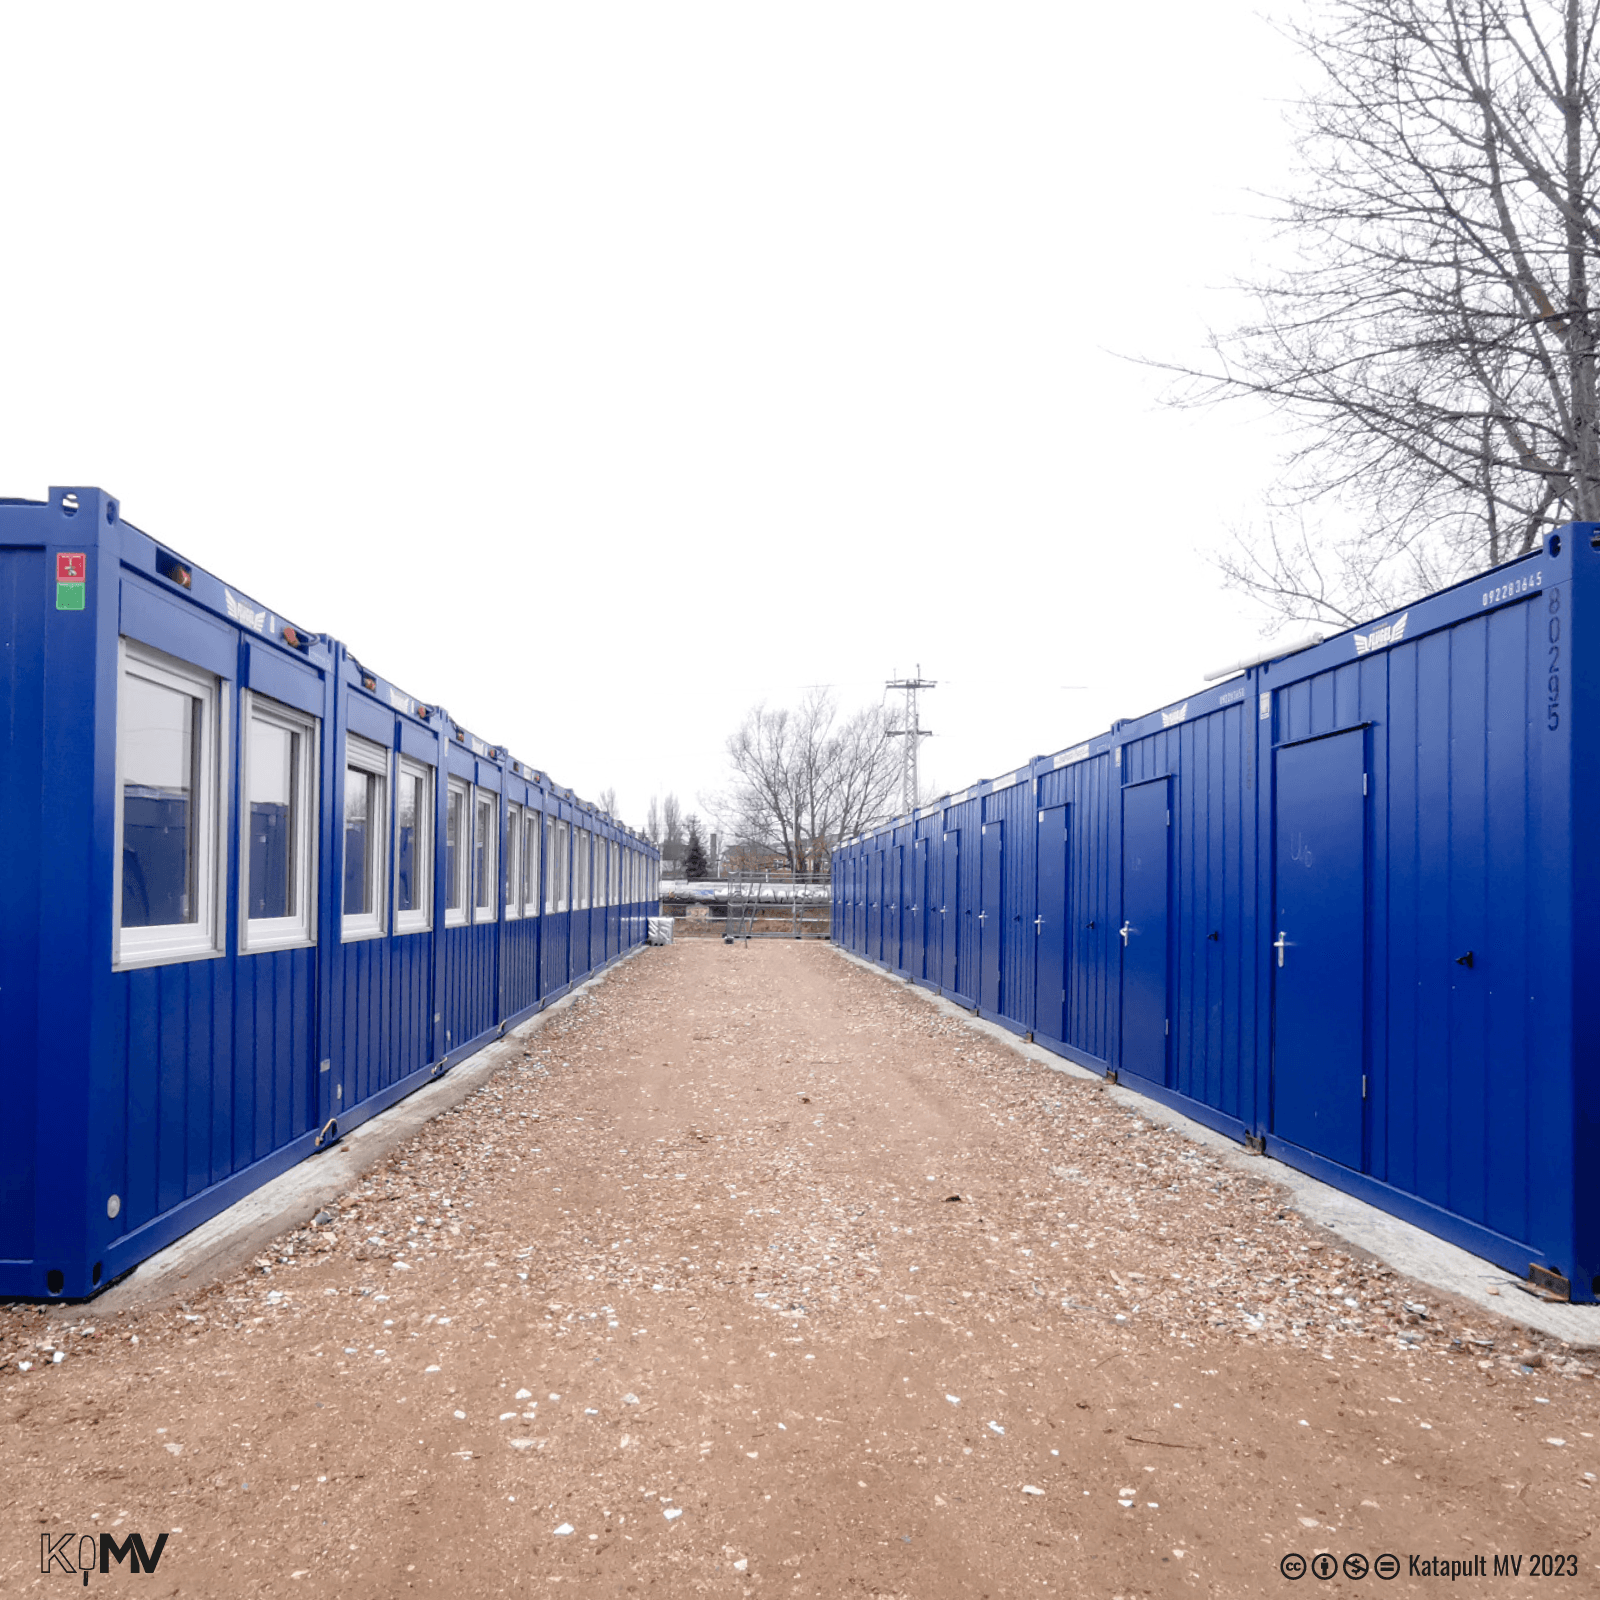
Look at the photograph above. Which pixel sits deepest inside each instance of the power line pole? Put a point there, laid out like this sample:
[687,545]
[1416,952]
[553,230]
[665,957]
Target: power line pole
[913,733]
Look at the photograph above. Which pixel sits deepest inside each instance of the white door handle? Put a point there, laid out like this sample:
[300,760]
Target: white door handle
[1123,930]
[1038,923]
[1279,943]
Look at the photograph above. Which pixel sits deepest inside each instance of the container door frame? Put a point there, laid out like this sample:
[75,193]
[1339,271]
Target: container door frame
[1323,1108]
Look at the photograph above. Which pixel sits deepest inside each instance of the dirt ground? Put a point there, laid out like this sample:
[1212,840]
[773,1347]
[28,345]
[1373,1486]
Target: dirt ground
[758,1275]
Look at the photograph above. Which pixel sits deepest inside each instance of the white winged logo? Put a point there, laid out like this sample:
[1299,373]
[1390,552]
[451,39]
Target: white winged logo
[1177,714]
[242,614]
[1389,633]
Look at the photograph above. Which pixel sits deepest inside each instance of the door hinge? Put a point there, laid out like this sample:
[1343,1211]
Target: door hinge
[1363,783]
[1166,1027]
[1363,1086]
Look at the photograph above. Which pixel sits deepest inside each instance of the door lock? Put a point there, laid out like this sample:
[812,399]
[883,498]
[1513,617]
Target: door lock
[1123,930]
[1278,945]
[1038,923]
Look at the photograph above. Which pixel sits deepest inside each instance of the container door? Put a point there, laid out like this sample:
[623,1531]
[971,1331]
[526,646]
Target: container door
[950,913]
[916,913]
[875,906]
[1319,949]
[894,955]
[1146,869]
[991,918]
[1050,925]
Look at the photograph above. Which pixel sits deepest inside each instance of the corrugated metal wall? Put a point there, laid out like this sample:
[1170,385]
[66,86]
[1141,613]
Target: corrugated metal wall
[1334,903]
[179,1084]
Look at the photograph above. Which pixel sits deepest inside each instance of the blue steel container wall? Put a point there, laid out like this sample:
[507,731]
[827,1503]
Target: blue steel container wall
[1573,700]
[1013,806]
[1475,1116]
[469,982]
[553,952]
[1089,788]
[896,898]
[578,932]
[521,964]
[1470,828]
[1211,760]
[175,1087]
[965,819]
[77,1123]
[271,1055]
[874,901]
[24,578]
[1458,829]
[383,1029]
[930,869]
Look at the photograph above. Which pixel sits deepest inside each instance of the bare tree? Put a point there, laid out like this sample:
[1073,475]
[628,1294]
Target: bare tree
[652,821]
[1434,344]
[673,840]
[803,778]
[608,802]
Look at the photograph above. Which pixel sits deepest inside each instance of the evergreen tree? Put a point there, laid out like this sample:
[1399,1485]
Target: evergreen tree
[695,864]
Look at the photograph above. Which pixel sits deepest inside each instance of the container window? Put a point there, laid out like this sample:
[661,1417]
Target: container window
[558,867]
[413,849]
[457,826]
[616,874]
[485,836]
[580,869]
[532,830]
[366,838]
[513,861]
[279,854]
[168,810]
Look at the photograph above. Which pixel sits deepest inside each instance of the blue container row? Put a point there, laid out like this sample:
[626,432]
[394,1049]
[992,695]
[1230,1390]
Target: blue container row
[253,893]
[1341,903]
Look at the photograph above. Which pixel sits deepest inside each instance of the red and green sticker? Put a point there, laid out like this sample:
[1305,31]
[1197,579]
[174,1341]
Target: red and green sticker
[72,569]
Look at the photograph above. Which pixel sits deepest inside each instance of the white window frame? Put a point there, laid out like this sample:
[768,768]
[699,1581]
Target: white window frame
[533,850]
[419,919]
[615,879]
[513,872]
[558,865]
[375,761]
[491,865]
[200,940]
[281,933]
[582,857]
[456,913]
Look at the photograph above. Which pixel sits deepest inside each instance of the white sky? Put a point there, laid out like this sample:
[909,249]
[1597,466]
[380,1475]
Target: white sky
[596,370]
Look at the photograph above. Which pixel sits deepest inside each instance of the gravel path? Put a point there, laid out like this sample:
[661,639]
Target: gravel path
[756,1273]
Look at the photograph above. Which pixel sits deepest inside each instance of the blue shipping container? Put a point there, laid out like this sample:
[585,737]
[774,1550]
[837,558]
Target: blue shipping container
[1340,903]
[252,894]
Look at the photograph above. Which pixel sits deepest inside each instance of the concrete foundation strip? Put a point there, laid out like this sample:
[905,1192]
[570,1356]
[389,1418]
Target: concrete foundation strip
[1406,1248]
[232,1238]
